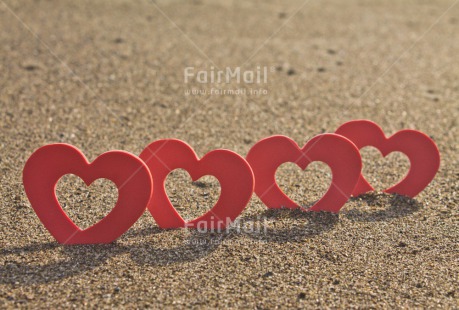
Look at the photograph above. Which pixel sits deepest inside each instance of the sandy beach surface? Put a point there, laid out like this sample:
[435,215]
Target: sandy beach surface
[110,75]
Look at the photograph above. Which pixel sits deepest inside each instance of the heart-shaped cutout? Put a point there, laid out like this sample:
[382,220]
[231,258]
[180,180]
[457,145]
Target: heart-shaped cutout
[48,164]
[189,198]
[231,170]
[380,171]
[86,205]
[421,151]
[337,152]
[305,187]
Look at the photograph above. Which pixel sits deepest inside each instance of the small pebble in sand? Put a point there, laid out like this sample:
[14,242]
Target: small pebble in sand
[268,274]
[30,66]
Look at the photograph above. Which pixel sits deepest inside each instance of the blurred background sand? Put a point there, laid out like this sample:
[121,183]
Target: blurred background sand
[110,75]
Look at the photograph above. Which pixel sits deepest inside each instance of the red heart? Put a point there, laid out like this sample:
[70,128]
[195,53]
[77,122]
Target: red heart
[231,170]
[337,152]
[48,164]
[419,148]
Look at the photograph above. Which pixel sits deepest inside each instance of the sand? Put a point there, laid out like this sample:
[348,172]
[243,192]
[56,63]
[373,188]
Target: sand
[110,75]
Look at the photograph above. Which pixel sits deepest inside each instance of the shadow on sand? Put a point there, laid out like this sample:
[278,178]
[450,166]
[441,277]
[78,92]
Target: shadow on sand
[270,226]
[382,207]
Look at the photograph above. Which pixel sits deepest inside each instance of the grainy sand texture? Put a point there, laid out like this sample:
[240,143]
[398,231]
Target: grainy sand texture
[104,75]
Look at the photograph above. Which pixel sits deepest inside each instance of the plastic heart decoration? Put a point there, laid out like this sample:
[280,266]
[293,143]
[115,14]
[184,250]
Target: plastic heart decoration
[340,154]
[231,170]
[48,164]
[419,148]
